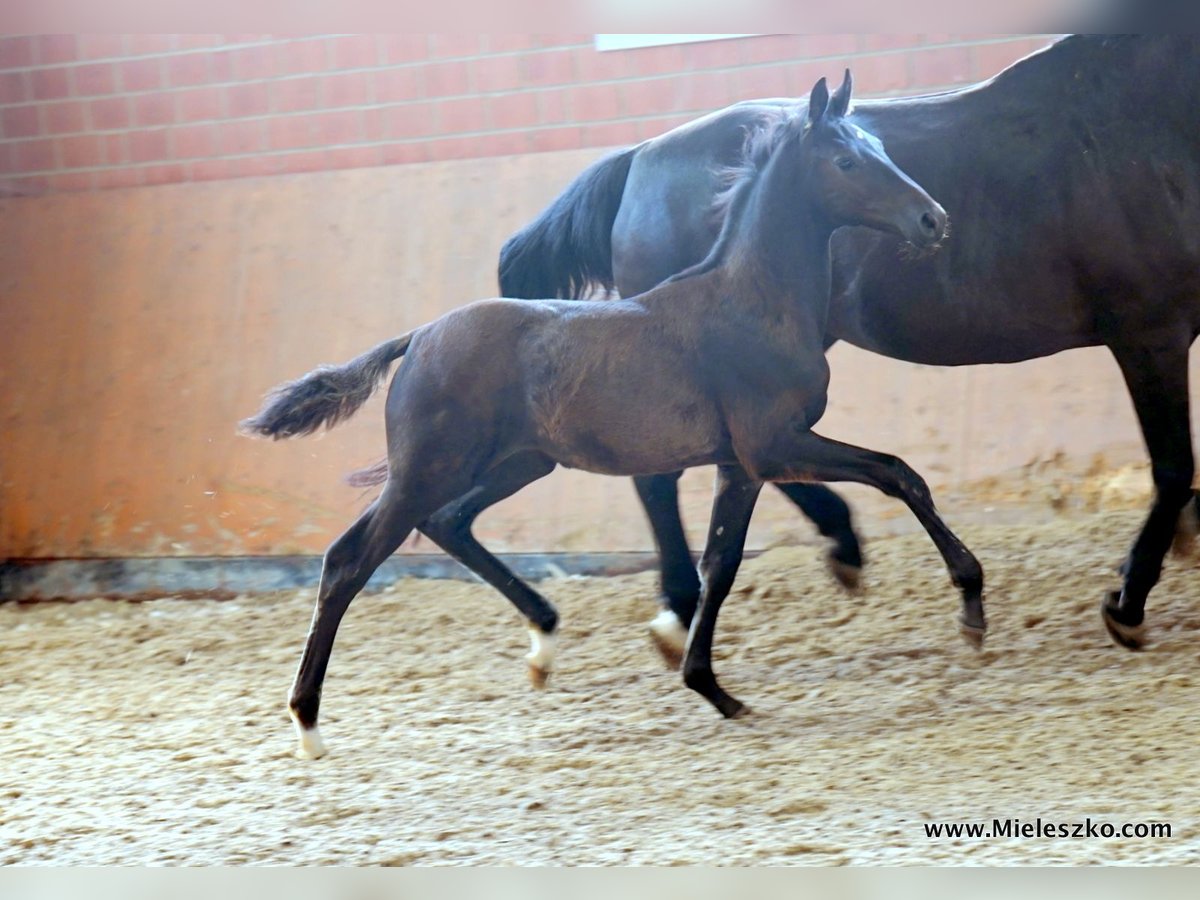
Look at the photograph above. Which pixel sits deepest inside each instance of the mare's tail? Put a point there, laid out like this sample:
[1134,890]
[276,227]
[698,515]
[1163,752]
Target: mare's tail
[326,395]
[567,250]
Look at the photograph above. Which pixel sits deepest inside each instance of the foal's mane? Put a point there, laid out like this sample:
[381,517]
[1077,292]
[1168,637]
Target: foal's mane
[762,138]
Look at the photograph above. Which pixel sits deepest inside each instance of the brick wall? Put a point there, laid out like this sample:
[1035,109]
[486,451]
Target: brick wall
[89,112]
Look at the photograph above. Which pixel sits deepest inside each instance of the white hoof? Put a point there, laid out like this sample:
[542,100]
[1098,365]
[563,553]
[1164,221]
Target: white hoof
[311,745]
[670,636]
[540,657]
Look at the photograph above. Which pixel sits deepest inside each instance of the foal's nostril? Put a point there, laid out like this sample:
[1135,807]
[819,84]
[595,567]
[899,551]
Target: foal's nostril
[930,225]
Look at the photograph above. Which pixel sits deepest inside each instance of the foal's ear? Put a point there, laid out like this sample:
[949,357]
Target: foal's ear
[818,101]
[840,101]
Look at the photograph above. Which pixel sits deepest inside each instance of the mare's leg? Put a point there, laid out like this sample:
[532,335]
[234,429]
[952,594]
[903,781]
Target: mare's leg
[1157,377]
[679,584]
[831,514]
[810,456]
[348,565]
[735,496]
[450,529]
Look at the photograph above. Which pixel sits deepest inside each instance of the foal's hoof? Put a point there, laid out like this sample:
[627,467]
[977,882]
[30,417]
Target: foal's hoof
[538,677]
[1131,637]
[543,646]
[311,746]
[1187,527]
[670,638]
[847,575]
[972,634]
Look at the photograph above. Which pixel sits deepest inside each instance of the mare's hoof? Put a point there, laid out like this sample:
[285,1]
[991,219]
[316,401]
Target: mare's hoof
[1131,637]
[847,575]
[538,677]
[1186,530]
[972,634]
[670,638]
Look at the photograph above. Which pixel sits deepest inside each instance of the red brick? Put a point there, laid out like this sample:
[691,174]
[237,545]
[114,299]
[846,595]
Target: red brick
[50,84]
[109,113]
[289,133]
[295,94]
[170,173]
[403,48]
[446,79]
[63,118]
[657,60]
[196,41]
[19,121]
[642,98]
[402,154]
[610,134]
[101,46]
[70,182]
[143,44]
[882,74]
[346,89]
[508,143]
[340,127]
[94,78]
[116,148]
[990,59]
[56,48]
[209,170]
[253,166]
[891,41]
[592,103]
[189,70]
[30,186]
[592,65]
[14,87]
[554,106]
[81,152]
[353,157]
[199,103]
[453,45]
[551,67]
[562,40]
[765,81]
[455,148]
[355,51]
[193,141]
[247,100]
[311,161]
[496,73]
[408,120]
[116,178]
[148,146]
[704,91]
[34,156]
[455,116]
[548,139]
[509,43]
[942,66]
[242,137]
[713,54]
[140,74]
[302,57]
[839,46]
[652,128]
[153,109]
[397,84]
[7,165]
[775,48]
[253,62]
[16,52]
[518,110]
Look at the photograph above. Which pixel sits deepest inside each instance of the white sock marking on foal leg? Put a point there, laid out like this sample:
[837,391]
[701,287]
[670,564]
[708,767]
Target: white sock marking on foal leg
[311,745]
[540,657]
[670,635]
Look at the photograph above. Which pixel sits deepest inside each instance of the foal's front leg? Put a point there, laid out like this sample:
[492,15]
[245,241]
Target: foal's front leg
[733,503]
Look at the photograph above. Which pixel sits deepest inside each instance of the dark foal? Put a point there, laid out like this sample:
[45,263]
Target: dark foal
[724,364]
[1074,181]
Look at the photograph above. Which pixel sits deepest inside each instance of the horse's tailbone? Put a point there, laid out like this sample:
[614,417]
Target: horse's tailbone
[325,396]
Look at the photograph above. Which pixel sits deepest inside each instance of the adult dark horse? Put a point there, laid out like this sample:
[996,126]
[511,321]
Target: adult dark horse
[1073,180]
[723,364]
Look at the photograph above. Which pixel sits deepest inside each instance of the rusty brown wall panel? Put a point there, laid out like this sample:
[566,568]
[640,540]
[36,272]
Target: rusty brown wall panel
[137,327]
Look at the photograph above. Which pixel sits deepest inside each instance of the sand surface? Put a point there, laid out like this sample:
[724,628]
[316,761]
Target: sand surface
[156,732]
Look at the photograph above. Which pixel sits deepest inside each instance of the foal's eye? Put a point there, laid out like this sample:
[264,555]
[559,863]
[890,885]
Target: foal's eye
[844,162]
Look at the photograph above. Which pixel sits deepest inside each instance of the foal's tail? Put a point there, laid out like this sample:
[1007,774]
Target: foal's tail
[326,395]
[567,250]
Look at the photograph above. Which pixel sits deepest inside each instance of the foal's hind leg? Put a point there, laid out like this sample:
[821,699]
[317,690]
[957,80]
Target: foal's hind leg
[679,585]
[348,565]
[831,514]
[450,529]
[1157,377]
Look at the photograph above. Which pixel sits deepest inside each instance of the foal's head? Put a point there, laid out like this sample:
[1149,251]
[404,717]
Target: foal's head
[849,179]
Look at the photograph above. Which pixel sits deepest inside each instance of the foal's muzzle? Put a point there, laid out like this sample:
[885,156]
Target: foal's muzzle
[929,227]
